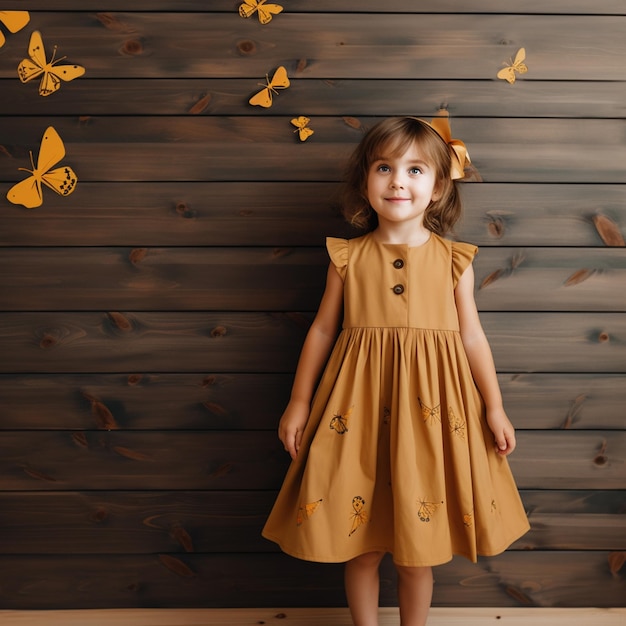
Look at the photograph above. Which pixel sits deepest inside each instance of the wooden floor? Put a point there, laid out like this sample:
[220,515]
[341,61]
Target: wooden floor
[311,617]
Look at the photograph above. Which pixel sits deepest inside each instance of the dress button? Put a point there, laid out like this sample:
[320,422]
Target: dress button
[398,264]
[398,289]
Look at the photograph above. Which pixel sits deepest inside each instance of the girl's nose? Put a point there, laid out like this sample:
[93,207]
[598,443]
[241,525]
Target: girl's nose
[396,183]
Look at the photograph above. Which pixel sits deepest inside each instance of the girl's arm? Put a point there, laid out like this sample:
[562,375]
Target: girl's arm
[317,346]
[481,363]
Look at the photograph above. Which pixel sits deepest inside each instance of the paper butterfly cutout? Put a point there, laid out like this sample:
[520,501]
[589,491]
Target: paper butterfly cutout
[248,8]
[359,516]
[302,129]
[14,21]
[28,192]
[37,65]
[264,97]
[518,65]
[339,423]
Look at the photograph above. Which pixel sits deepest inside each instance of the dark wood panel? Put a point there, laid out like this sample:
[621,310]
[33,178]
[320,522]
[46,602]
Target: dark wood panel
[207,148]
[572,7]
[54,460]
[64,342]
[222,401]
[278,279]
[575,579]
[300,213]
[319,97]
[145,522]
[344,45]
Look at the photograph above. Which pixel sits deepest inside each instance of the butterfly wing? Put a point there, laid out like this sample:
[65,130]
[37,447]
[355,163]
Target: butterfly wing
[62,180]
[305,133]
[508,74]
[51,80]
[262,99]
[266,12]
[51,152]
[14,21]
[280,80]
[27,193]
[248,8]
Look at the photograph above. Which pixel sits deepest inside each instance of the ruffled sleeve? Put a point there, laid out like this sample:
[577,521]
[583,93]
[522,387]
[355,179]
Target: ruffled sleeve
[338,252]
[462,255]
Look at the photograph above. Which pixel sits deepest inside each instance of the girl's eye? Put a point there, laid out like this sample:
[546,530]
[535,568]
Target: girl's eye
[384,168]
[415,170]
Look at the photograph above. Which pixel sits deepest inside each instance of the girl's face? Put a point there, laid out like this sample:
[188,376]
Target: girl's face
[400,188]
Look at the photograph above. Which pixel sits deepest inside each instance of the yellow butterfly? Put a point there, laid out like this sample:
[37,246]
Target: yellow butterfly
[359,516]
[430,415]
[339,423]
[279,81]
[14,21]
[305,511]
[37,65]
[302,129]
[62,180]
[468,519]
[248,8]
[426,509]
[518,65]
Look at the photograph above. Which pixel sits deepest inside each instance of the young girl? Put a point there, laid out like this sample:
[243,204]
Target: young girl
[403,447]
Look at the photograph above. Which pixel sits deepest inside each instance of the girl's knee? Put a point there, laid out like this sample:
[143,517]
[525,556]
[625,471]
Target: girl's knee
[369,559]
[424,573]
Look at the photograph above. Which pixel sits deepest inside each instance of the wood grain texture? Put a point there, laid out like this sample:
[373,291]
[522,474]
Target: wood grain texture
[279,279]
[298,214]
[572,7]
[221,401]
[576,579]
[69,342]
[323,97]
[54,460]
[388,616]
[149,522]
[351,45]
[212,149]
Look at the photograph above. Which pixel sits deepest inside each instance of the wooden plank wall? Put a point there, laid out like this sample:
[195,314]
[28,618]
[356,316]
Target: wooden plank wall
[151,321]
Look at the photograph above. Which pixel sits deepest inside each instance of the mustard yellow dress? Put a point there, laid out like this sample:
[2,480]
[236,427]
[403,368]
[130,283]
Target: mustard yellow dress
[396,455]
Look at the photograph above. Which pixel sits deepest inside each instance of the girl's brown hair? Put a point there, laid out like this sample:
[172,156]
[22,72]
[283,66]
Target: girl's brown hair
[392,137]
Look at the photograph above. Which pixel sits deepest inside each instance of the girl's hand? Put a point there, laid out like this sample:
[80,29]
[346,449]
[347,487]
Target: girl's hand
[291,426]
[503,431]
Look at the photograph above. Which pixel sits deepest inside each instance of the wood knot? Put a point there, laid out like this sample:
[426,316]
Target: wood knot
[134,379]
[132,48]
[120,321]
[200,105]
[184,211]
[496,226]
[246,47]
[601,458]
[218,331]
[48,341]
[209,381]
[137,255]
[99,515]
[603,337]
[80,439]
[278,253]
[352,122]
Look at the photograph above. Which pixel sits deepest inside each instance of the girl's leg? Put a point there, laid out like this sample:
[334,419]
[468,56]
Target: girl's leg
[362,588]
[415,591]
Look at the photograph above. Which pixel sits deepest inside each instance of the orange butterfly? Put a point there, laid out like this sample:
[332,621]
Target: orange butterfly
[37,65]
[457,424]
[518,65]
[279,81]
[302,127]
[14,21]
[248,8]
[62,180]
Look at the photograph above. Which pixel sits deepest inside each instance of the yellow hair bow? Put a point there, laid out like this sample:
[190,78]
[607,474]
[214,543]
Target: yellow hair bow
[459,153]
